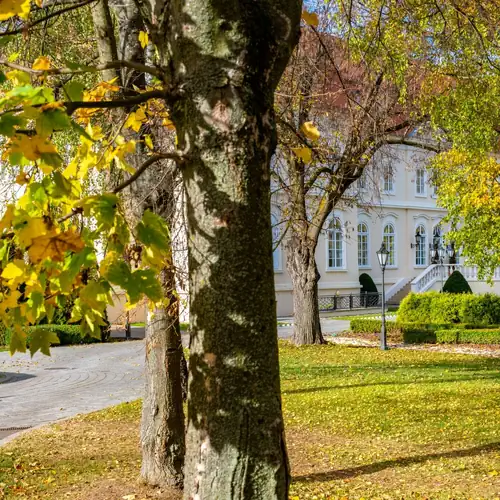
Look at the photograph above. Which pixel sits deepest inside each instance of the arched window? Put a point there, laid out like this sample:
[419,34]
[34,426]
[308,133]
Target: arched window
[390,243]
[276,242]
[421,248]
[363,245]
[335,245]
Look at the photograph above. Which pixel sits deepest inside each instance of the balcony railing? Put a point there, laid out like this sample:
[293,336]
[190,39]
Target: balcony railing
[346,302]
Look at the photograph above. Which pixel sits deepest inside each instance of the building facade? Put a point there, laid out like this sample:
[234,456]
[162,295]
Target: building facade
[400,211]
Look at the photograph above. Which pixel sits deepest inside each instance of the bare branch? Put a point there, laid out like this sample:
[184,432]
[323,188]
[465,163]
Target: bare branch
[28,26]
[143,68]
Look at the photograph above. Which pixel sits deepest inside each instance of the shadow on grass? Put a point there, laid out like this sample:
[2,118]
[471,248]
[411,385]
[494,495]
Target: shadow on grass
[395,462]
[395,382]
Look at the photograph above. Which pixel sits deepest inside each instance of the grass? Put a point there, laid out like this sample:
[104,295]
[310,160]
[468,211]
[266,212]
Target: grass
[360,423]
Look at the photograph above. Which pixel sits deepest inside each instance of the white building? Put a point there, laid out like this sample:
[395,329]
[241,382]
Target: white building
[402,204]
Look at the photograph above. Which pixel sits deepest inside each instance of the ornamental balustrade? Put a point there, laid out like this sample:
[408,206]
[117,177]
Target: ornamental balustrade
[345,302]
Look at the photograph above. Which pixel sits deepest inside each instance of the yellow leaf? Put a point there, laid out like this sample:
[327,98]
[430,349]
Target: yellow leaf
[54,245]
[135,120]
[18,77]
[10,301]
[8,218]
[11,8]
[305,154]
[14,269]
[149,142]
[310,131]
[143,39]
[31,147]
[41,63]
[22,179]
[39,3]
[34,228]
[167,122]
[310,18]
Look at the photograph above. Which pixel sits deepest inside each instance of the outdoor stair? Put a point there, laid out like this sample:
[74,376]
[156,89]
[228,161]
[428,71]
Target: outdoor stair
[396,299]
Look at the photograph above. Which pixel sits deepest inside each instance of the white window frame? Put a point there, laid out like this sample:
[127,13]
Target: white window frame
[367,235]
[329,231]
[394,265]
[389,169]
[276,231]
[423,193]
[361,182]
[422,248]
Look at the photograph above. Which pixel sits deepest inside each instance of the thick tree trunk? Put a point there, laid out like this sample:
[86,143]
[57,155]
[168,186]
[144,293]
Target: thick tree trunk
[162,425]
[227,58]
[301,265]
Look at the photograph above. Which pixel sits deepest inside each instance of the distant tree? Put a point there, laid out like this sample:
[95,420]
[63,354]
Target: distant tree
[368,286]
[456,283]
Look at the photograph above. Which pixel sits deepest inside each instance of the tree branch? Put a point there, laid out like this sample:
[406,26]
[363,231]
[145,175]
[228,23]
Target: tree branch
[142,68]
[179,158]
[415,143]
[28,26]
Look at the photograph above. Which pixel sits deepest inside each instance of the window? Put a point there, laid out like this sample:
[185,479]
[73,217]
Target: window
[420,181]
[363,251]
[421,248]
[390,243]
[362,182]
[335,245]
[276,242]
[388,179]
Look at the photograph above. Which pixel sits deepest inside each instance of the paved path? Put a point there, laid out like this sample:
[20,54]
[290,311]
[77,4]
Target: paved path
[328,327]
[80,379]
[77,379]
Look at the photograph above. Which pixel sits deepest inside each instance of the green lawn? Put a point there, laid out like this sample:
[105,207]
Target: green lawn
[361,423]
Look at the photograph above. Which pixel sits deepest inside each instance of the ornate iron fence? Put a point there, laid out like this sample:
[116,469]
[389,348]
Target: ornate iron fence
[351,301]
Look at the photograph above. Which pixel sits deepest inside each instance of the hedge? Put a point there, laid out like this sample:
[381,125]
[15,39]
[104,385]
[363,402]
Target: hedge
[461,336]
[434,307]
[430,333]
[68,334]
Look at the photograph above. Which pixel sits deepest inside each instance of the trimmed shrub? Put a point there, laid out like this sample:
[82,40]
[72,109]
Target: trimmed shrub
[68,334]
[456,283]
[367,284]
[416,307]
[482,309]
[447,307]
[461,336]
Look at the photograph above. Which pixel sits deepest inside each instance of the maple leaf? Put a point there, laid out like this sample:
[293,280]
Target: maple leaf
[54,245]
[41,63]
[32,148]
[11,8]
[135,120]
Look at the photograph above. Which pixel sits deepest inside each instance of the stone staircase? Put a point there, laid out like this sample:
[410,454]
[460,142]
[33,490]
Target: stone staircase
[396,299]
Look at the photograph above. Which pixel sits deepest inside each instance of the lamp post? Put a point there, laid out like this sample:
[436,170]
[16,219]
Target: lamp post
[383,256]
[441,252]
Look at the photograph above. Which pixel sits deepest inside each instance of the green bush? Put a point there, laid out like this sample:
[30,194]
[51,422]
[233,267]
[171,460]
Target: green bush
[434,307]
[68,334]
[456,283]
[482,309]
[416,307]
[462,336]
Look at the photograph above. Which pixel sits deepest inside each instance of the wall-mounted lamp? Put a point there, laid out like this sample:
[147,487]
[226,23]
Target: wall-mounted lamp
[418,239]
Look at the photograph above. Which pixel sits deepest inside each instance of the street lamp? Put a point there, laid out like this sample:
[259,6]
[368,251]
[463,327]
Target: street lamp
[383,256]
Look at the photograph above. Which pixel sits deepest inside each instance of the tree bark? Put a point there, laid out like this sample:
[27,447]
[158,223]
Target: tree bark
[301,265]
[227,58]
[162,424]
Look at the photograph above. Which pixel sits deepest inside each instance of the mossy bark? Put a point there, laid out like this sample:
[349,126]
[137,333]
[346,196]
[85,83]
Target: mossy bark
[226,58]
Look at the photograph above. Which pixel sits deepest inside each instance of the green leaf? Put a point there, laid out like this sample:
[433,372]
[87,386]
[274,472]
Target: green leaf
[8,123]
[3,78]
[136,284]
[74,90]
[17,343]
[52,120]
[41,339]
[103,208]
